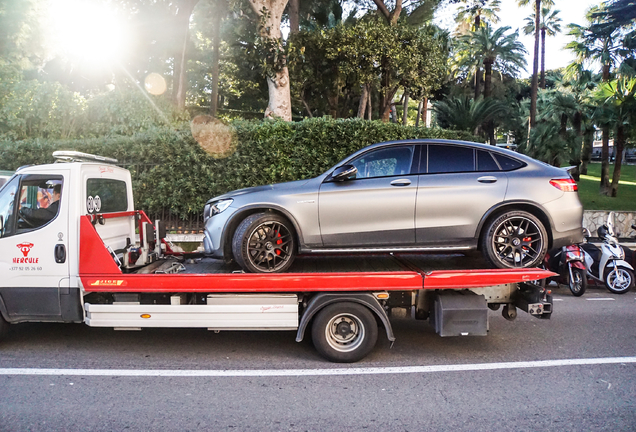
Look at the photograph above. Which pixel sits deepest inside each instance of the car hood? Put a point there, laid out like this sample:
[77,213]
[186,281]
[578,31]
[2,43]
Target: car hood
[265,188]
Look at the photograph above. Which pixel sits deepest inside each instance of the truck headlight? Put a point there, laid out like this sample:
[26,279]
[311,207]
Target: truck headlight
[216,207]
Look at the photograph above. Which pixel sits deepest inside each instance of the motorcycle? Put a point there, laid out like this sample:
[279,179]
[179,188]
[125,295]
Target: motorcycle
[569,263]
[607,264]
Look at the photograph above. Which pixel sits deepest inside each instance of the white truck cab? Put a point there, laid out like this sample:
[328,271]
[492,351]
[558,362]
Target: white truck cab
[39,233]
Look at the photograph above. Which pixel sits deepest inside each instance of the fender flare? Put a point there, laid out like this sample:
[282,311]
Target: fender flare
[318,302]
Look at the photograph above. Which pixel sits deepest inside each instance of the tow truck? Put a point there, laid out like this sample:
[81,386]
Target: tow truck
[100,262]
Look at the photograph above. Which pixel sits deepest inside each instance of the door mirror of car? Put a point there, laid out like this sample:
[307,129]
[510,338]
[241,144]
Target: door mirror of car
[344,172]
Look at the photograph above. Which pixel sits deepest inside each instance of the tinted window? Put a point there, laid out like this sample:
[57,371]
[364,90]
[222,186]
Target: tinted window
[485,162]
[508,163]
[449,159]
[384,162]
[106,196]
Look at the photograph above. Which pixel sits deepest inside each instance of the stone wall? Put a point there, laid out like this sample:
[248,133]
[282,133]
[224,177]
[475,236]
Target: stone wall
[623,221]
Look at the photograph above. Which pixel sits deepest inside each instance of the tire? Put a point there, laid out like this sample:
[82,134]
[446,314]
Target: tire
[264,243]
[619,279]
[344,332]
[4,328]
[578,283]
[515,239]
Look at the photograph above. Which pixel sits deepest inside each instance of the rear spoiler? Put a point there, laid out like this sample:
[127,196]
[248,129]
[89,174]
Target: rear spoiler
[569,168]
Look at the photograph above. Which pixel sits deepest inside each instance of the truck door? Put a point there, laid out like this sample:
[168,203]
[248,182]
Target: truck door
[34,219]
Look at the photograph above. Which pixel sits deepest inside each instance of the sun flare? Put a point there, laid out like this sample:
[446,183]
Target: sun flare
[86,32]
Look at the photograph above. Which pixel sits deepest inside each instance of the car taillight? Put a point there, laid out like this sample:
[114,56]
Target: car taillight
[566,185]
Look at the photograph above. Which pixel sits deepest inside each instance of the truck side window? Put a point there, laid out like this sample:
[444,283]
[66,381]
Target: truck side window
[7,206]
[39,201]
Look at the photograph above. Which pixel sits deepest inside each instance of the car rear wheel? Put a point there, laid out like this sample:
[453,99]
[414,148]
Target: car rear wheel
[264,243]
[515,239]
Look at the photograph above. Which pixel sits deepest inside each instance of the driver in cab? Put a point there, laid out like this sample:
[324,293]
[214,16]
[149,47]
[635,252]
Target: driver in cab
[41,216]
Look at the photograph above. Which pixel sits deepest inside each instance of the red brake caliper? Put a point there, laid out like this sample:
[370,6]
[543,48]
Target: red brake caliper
[278,242]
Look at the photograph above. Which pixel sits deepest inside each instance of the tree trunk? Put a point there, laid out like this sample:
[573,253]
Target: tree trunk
[216,35]
[305,104]
[294,16]
[369,104]
[586,153]
[535,68]
[477,82]
[619,146]
[405,112]
[180,59]
[487,79]
[543,58]
[605,185]
[576,123]
[419,113]
[279,104]
[477,22]
[425,112]
[362,106]
[332,100]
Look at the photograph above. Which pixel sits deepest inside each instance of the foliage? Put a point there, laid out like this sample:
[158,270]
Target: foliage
[464,113]
[171,171]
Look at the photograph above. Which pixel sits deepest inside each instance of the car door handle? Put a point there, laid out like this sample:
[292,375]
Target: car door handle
[60,253]
[487,179]
[401,182]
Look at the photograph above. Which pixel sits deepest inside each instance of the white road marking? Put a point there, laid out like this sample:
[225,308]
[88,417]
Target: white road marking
[318,372]
[600,299]
[557,299]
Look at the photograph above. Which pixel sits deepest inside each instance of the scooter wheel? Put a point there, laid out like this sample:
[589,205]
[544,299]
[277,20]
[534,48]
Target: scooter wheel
[619,279]
[578,282]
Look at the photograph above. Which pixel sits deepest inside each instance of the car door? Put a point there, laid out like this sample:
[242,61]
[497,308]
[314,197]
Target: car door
[458,185]
[33,248]
[377,207]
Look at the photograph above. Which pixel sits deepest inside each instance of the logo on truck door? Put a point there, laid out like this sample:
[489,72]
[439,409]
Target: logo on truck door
[25,248]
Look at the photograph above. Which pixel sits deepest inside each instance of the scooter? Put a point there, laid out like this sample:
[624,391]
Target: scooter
[607,264]
[569,263]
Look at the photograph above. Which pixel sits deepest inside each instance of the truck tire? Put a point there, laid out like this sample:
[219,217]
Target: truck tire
[619,279]
[264,243]
[344,332]
[515,239]
[4,328]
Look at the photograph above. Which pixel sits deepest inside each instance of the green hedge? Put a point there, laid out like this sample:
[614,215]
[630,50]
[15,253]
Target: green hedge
[170,170]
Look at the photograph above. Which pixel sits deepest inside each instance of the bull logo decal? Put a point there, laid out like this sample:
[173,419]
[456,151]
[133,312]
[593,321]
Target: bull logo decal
[25,248]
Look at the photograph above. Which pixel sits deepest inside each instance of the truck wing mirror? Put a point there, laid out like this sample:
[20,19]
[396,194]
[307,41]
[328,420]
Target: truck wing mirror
[344,172]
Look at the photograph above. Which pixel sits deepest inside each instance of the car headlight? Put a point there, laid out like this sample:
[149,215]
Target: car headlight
[216,207]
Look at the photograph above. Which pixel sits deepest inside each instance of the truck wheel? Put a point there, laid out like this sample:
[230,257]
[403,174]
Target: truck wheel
[578,282]
[4,328]
[619,279]
[344,332]
[264,243]
[516,239]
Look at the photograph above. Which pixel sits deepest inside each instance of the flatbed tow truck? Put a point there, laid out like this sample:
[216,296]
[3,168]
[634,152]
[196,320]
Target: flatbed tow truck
[101,262]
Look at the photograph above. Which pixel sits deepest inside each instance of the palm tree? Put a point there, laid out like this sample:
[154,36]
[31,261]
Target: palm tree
[550,25]
[535,62]
[618,98]
[464,113]
[470,17]
[602,44]
[496,50]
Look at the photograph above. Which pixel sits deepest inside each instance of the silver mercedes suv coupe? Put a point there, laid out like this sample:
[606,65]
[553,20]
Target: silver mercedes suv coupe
[403,196]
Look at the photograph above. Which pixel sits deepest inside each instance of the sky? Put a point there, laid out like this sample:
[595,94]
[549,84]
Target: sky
[556,56]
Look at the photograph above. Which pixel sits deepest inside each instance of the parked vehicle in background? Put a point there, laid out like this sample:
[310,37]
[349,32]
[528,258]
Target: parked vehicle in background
[414,195]
[569,263]
[607,264]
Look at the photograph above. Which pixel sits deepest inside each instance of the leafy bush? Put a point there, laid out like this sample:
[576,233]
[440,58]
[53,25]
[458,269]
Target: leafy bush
[171,171]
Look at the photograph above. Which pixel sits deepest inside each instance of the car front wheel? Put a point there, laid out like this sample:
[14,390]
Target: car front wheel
[515,239]
[264,243]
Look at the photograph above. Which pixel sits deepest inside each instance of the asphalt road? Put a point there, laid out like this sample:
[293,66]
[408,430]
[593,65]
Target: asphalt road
[320,396]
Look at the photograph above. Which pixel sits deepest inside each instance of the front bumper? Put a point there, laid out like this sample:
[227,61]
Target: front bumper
[214,232]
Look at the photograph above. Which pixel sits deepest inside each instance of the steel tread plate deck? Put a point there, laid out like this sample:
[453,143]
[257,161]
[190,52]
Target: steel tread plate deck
[99,273]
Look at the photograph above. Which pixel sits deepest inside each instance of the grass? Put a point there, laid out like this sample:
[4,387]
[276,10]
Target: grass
[589,189]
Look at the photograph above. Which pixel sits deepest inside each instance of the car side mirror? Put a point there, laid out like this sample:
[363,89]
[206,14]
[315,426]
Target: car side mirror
[344,172]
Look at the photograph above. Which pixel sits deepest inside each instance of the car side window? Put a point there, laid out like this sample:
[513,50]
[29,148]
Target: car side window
[384,162]
[485,162]
[508,163]
[450,159]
